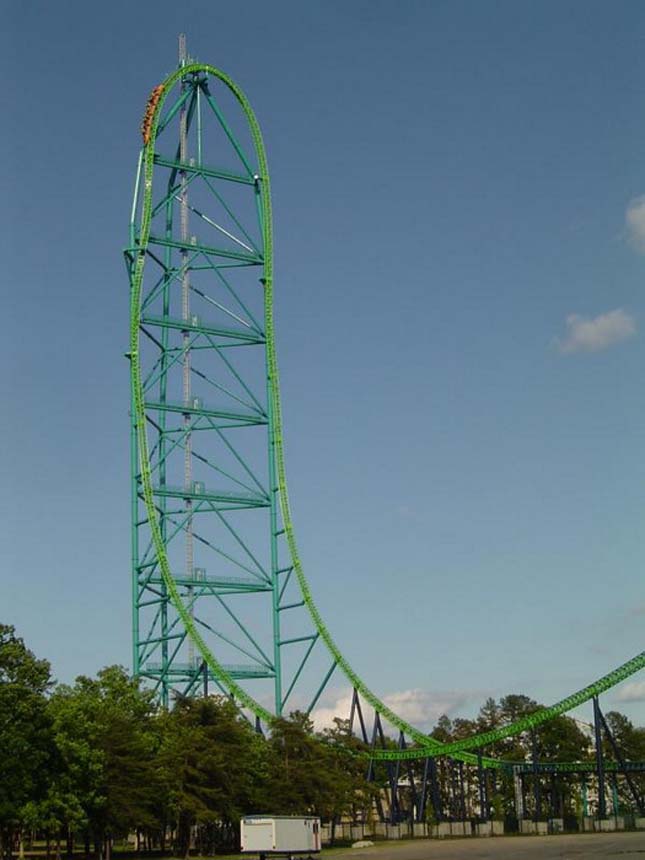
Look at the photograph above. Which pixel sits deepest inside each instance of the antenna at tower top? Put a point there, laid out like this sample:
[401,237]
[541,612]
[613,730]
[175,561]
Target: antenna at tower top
[182,49]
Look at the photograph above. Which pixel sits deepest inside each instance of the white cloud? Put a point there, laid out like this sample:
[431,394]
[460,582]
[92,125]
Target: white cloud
[601,332]
[635,222]
[633,692]
[421,708]
[323,717]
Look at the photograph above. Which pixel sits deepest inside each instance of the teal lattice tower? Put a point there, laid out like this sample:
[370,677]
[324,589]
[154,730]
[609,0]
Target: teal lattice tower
[209,574]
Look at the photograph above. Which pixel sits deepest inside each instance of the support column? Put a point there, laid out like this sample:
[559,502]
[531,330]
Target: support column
[461,791]
[585,798]
[621,762]
[421,809]
[435,791]
[395,816]
[518,785]
[600,764]
[454,790]
[483,799]
[537,794]
[554,796]
[614,794]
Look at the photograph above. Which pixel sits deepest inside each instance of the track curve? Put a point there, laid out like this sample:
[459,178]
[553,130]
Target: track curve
[427,745]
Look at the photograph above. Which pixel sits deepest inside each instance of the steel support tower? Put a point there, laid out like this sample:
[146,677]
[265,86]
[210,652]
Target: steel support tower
[202,406]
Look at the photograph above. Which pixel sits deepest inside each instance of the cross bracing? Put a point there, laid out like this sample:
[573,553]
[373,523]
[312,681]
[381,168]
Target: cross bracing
[208,479]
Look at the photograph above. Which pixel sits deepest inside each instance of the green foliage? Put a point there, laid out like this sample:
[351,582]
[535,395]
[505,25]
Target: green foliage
[631,743]
[26,744]
[106,739]
[560,739]
[630,740]
[208,760]
[316,773]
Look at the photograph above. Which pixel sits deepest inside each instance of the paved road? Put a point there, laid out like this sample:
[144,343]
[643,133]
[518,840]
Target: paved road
[614,846]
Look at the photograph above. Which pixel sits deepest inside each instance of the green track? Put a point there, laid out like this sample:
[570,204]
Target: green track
[426,746]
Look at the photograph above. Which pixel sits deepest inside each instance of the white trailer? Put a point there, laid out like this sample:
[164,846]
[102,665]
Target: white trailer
[280,834]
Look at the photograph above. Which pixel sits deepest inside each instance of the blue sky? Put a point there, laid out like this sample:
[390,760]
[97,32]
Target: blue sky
[460,308]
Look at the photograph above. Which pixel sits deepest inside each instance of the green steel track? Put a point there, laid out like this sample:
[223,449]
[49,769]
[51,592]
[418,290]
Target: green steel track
[426,745]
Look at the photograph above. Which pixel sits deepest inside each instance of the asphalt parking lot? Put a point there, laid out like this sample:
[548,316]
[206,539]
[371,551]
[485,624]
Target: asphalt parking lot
[624,846]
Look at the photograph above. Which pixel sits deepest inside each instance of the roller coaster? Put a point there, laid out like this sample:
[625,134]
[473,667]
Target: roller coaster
[220,601]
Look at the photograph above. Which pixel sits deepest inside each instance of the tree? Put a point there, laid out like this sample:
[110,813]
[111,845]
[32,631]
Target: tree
[211,764]
[556,740]
[104,734]
[443,731]
[345,789]
[630,741]
[25,734]
[318,773]
[295,765]
[490,717]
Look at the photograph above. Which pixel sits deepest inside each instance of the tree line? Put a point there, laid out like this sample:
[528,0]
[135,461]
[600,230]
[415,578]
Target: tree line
[87,764]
